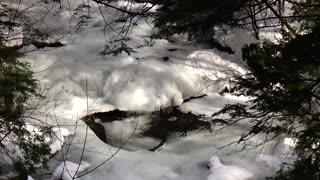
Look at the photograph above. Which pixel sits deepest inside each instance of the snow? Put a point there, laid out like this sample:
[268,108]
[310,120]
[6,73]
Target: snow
[211,103]
[223,172]
[217,67]
[237,38]
[67,170]
[224,61]
[283,155]
[77,80]
[142,86]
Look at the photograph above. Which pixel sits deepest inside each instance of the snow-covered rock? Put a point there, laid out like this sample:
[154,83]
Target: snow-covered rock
[223,172]
[58,135]
[63,131]
[67,170]
[283,154]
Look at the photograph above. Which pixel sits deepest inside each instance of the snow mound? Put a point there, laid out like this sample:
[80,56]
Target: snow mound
[237,38]
[62,131]
[67,170]
[220,65]
[222,172]
[58,135]
[216,68]
[223,61]
[139,87]
[211,103]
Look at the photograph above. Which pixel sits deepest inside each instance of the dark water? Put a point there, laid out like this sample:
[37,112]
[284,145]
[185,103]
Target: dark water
[160,125]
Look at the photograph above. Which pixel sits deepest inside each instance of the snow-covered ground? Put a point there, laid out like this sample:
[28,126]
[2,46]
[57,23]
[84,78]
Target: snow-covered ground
[77,80]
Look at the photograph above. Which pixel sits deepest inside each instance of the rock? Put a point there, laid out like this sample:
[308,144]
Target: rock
[172,49]
[166,58]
